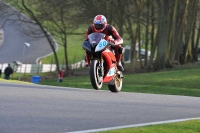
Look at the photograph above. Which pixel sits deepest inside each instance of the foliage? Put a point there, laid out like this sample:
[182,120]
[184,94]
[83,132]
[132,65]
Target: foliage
[167,28]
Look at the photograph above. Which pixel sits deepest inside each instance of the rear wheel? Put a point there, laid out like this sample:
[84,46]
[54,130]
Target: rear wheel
[117,83]
[95,78]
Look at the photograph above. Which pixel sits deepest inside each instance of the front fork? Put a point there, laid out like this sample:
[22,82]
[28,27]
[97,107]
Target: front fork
[101,61]
[101,71]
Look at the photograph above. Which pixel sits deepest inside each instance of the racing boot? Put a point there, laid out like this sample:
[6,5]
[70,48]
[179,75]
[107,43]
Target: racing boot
[118,55]
[119,66]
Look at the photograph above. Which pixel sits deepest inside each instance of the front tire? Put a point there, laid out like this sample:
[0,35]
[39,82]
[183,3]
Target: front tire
[95,78]
[117,83]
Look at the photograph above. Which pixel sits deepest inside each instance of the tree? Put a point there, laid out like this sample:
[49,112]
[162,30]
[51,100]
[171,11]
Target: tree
[4,13]
[52,16]
[30,9]
[33,16]
[59,17]
[190,29]
[168,25]
[162,36]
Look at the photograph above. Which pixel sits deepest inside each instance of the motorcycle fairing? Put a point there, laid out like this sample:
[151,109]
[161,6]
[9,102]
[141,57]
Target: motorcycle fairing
[109,55]
[101,45]
[95,37]
[86,46]
[108,79]
[111,72]
[110,67]
[92,42]
[109,75]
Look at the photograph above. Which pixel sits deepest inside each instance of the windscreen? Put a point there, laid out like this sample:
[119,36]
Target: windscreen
[94,38]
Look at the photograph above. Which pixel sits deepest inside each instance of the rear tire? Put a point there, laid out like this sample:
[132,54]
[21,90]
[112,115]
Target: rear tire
[96,80]
[117,84]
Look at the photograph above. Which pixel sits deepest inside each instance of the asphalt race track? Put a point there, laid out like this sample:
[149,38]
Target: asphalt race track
[47,109]
[16,33]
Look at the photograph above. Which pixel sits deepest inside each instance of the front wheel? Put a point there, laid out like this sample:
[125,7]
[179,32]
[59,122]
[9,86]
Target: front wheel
[117,83]
[95,78]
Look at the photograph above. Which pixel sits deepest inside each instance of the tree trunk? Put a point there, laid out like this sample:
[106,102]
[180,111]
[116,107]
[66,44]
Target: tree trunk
[51,42]
[147,34]
[162,35]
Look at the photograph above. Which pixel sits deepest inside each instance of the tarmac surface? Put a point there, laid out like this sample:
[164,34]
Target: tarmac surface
[31,108]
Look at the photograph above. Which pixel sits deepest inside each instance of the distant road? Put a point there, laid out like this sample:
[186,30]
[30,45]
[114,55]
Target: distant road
[1,35]
[14,39]
[48,109]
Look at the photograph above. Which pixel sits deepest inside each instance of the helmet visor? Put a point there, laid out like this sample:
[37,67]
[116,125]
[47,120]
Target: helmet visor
[99,26]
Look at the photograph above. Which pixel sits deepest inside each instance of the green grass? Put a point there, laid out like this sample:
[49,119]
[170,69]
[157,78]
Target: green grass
[75,51]
[175,82]
[192,126]
[14,81]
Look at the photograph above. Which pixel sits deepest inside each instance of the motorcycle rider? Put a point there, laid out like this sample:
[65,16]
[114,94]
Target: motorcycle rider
[100,25]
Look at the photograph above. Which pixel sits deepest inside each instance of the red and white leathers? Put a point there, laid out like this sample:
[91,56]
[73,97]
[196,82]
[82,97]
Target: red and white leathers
[117,40]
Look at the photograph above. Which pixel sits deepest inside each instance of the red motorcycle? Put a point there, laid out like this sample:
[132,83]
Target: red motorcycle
[102,63]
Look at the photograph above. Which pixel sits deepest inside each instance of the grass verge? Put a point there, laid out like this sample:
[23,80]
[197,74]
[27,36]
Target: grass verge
[179,127]
[176,82]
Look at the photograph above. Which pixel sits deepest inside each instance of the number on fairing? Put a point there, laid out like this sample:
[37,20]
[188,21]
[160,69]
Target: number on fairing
[102,44]
[111,72]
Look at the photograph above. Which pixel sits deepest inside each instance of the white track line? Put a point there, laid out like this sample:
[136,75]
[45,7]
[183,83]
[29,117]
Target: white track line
[134,125]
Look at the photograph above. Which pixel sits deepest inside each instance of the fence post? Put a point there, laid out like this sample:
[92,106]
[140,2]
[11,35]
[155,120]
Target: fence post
[51,65]
[74,62]
[39,65]
[38,69]
[25,69]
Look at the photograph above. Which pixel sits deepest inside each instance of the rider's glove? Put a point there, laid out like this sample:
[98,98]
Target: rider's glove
[112,42]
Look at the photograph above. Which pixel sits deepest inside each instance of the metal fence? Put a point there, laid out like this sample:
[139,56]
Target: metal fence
[39,68]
